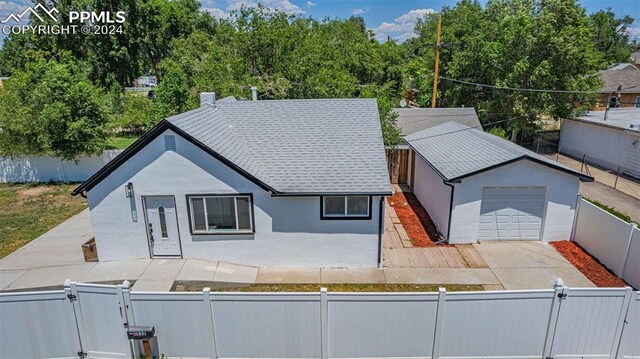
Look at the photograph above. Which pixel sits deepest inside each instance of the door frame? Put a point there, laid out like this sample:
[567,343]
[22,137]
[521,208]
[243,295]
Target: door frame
[146,225]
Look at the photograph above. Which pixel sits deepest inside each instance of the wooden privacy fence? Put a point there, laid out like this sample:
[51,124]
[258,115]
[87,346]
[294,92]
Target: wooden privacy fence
[90,320]
[614,242]
[47,168]
[398,165]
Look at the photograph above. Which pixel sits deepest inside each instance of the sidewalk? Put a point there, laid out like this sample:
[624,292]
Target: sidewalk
[625,197]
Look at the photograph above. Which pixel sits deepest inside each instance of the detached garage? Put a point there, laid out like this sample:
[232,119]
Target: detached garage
[479,187]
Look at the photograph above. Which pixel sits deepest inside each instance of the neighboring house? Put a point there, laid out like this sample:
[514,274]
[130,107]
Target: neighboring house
[608,139]
[635,58]
[269,183]
[621,87]
[480,187]
[410,120]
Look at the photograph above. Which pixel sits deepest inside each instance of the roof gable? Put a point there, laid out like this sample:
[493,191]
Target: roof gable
[456,151]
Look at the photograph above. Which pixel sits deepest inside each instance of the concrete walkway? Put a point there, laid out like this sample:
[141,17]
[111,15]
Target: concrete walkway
[46,262]
[624,197]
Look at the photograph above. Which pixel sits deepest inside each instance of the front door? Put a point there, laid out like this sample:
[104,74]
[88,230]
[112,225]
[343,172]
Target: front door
[162,226]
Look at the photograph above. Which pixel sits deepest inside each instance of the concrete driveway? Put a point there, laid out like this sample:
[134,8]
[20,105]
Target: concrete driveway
[49,260]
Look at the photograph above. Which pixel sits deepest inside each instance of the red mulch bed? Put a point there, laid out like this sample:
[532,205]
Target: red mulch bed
[414,219]
[588,265]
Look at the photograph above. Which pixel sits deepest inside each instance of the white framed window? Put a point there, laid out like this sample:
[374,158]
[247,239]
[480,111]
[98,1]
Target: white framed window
[220,214]
[345,207]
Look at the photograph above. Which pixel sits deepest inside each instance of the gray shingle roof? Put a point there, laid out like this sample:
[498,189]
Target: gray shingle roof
[455,151]
[623,118]
[411,120]
[297,146]
[628,78]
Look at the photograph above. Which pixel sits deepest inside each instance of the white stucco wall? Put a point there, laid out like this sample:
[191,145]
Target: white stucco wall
[562,192]
[603,146]
[288,230]
[433,194]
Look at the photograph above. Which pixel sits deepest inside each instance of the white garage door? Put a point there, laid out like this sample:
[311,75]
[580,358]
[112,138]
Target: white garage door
[511,213]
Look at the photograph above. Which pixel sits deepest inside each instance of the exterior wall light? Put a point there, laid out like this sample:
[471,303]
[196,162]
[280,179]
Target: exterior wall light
[128,190]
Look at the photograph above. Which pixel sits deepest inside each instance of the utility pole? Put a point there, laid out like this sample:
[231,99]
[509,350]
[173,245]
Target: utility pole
[435,72]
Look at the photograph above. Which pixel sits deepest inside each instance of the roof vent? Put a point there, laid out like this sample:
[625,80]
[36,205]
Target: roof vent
[208,98]
[254,93]
[170,142]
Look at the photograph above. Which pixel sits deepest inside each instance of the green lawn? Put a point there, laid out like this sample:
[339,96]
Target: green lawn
[346,287]
[121,142]
[29,210]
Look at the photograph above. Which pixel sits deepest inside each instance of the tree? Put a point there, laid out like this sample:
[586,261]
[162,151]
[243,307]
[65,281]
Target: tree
[517,44]
[610,35]
[172,96]
[52,108]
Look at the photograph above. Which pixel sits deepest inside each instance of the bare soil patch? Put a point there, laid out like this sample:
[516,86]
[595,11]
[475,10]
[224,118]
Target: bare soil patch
[597,273]
[414,219]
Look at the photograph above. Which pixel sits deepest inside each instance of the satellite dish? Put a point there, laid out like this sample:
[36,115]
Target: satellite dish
[403,103]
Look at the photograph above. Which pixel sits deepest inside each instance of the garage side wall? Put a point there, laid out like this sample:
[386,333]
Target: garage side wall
[433,194]
[288,230]
[603,146]
[561,194]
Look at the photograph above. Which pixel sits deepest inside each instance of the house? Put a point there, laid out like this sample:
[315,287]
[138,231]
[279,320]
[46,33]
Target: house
[268,183]
[635,58]
[479,187]
[608,139]
[621,87]
[410,120]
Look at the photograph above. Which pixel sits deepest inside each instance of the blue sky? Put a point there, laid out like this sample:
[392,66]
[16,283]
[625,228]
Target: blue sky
[385,17]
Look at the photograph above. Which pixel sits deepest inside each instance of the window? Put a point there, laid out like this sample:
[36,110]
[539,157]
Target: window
[220,214]
[349,207]
[613,102]
[638,102]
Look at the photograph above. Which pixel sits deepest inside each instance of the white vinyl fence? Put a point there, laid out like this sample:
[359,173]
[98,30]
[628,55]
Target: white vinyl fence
[614,242]
[86,320]
[47,168]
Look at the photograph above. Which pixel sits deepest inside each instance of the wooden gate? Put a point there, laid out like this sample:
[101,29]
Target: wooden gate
[398,165]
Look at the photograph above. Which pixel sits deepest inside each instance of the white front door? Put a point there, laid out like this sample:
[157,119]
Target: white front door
[511,213]
[162,226]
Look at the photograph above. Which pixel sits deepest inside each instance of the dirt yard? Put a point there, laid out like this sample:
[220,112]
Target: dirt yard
[29,210]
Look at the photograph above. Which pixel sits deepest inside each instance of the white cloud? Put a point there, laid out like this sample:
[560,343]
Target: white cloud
[310,4]
[402,28]
[634,33]
[285,6]
[359,11]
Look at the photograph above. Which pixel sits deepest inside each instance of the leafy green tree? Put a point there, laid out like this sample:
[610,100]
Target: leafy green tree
[610,35]
[134,113]
[172,96]
[52,108]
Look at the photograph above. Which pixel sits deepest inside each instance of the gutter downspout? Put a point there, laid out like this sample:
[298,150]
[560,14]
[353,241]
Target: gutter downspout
[380,230]
[450,212]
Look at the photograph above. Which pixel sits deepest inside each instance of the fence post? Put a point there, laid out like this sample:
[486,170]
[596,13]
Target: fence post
[324,323]
[572,237]
[437,334]
[632,299]
[124,310]
[632,227]
[622,318]
[70,296]
[71,290]
[208,314]
[558,294]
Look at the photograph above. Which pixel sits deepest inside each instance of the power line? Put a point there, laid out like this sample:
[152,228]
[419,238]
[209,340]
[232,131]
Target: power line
[515,88]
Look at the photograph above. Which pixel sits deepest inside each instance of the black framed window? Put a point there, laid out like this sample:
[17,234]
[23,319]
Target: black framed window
[345,207]
[220,214]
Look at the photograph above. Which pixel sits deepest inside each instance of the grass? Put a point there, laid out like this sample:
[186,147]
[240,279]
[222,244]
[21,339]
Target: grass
[121,142]
[350,287]
[29,210]
[622,215]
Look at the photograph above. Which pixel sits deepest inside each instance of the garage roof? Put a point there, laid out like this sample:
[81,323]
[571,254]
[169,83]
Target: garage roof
[412,120]
[456,151]
[622,118]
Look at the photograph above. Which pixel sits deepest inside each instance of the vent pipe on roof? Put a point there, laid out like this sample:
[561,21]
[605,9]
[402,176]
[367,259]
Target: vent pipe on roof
[254,93]
[208,98]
